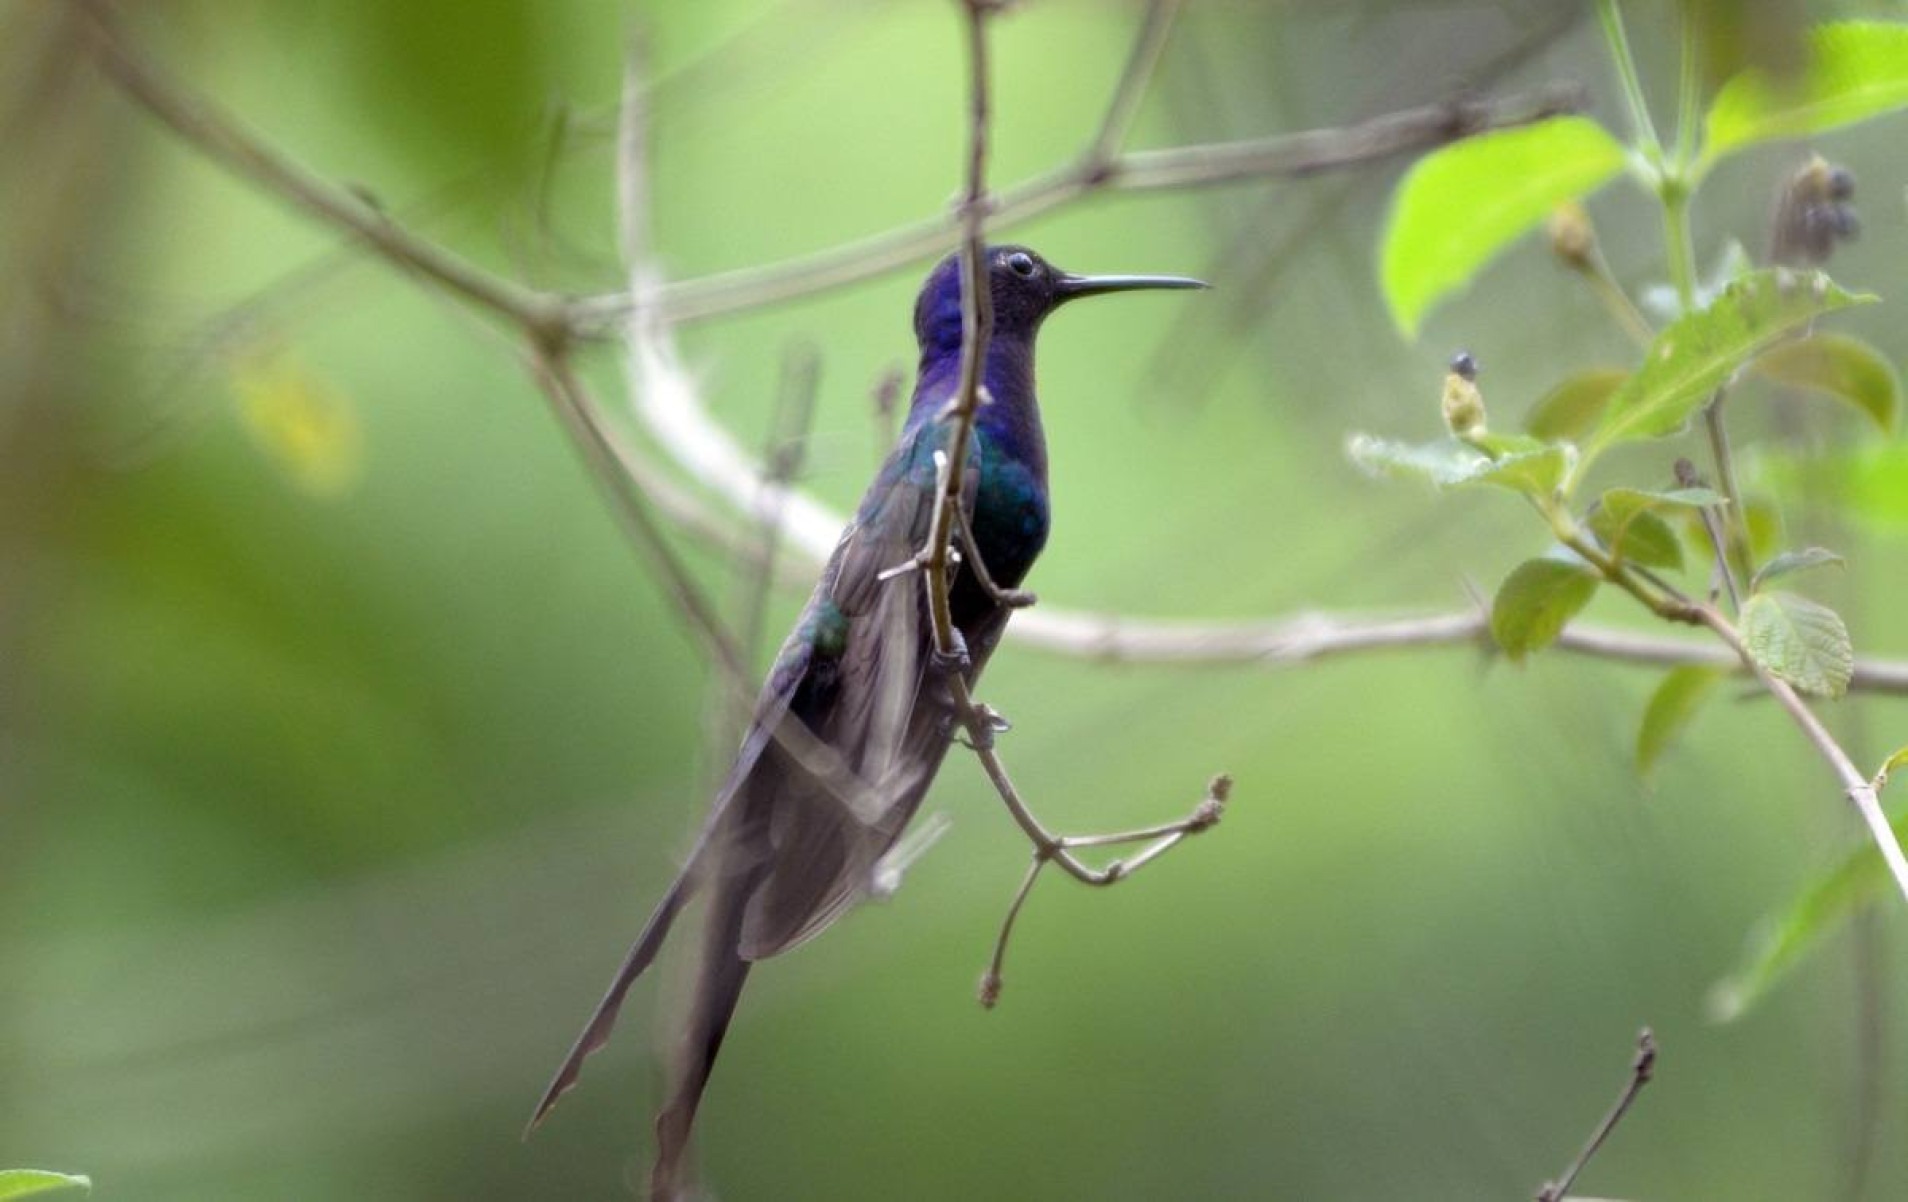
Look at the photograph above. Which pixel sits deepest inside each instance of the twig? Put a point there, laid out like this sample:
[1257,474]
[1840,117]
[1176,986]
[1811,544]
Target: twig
[1134,77]
[225,141]
[580,416]
[1196,166]
[981,722]
[1641,1070]
[788,439]
[1859,790]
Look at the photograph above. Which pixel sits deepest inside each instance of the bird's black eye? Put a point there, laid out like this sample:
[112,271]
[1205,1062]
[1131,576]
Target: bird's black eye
[1022,264]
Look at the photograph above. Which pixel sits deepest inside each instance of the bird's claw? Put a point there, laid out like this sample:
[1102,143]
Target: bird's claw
[954,659]
[989,722]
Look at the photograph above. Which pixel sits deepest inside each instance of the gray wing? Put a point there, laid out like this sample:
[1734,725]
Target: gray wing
[867,699]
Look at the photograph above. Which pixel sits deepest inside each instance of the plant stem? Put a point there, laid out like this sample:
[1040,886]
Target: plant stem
[1688,90]
[1619,43]
[1673,191]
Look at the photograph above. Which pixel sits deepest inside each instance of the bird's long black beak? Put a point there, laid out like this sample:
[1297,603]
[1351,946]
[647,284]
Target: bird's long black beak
[1072,287]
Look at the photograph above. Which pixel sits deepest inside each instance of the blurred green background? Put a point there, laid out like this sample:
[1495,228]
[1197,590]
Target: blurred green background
[344,743]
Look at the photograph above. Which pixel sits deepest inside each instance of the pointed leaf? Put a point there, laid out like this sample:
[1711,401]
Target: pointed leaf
[1856,70]
[1889,767]
[1800,641]
[1790,562]
[1781,941]
[1841,367]
[1536,601]
[1571,409]
[1697,354]
[33,1183]
[1459,206]
[1672,706]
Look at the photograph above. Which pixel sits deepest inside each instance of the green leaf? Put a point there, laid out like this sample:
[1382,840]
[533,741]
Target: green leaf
[1571,409]
[1699,352]
[1889,767]
[1644,539]
[1536,601]
[1459,206]
[1623,523]
[1845,368]
[1763,517]
[1800,641]
[28,1183]
[1537,473]
[1790,562]
[1869,482]
[1449,463]
[1671,708]
[1781,941]
[1856,70]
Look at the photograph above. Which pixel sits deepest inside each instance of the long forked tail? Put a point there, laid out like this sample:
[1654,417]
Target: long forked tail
[641,954]
[719,984]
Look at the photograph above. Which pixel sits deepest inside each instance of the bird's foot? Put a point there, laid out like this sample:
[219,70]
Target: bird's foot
[954,659]
[991,722]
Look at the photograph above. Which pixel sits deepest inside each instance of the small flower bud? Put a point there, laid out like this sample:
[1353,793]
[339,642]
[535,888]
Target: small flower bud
[1463,403]
[1814,211]
[1572,238]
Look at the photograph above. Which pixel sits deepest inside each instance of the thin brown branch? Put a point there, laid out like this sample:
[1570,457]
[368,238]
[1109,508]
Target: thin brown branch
[226,141]
[1641,1069]
[1138,72]
[1859,790]
[581,418]
[1197,166]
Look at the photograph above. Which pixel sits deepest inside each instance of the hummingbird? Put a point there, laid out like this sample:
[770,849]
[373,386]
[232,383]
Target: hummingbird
[856,715]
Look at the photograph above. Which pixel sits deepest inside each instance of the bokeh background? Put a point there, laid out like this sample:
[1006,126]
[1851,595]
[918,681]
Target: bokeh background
[344,743]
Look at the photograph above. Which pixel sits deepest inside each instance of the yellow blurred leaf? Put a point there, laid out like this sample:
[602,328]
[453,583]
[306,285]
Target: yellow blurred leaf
[307,428]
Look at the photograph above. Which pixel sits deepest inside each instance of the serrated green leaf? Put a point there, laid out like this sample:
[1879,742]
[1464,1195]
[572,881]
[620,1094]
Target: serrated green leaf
[31,1183]
[1536,601]
[1571,409]
[1845,368]
[1781,941]
[1798,640]
[1459,206]
[1790,562]
[1671,708]
[1700,351]
[1856,70]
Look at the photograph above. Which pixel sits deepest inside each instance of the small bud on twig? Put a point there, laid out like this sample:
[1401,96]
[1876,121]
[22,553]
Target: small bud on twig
[1572,238]
[1463,404]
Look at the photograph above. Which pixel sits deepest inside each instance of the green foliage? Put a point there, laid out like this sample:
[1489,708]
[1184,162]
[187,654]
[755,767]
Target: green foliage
[1537,600]
[1698,353]
[1889,767]
[1571,409]
[1459,206]
[1856,70]
[1845,368]
[32,1183]
[1780,942]
[1671,709]
[1798,640]
[1519,464]
[1790,562]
